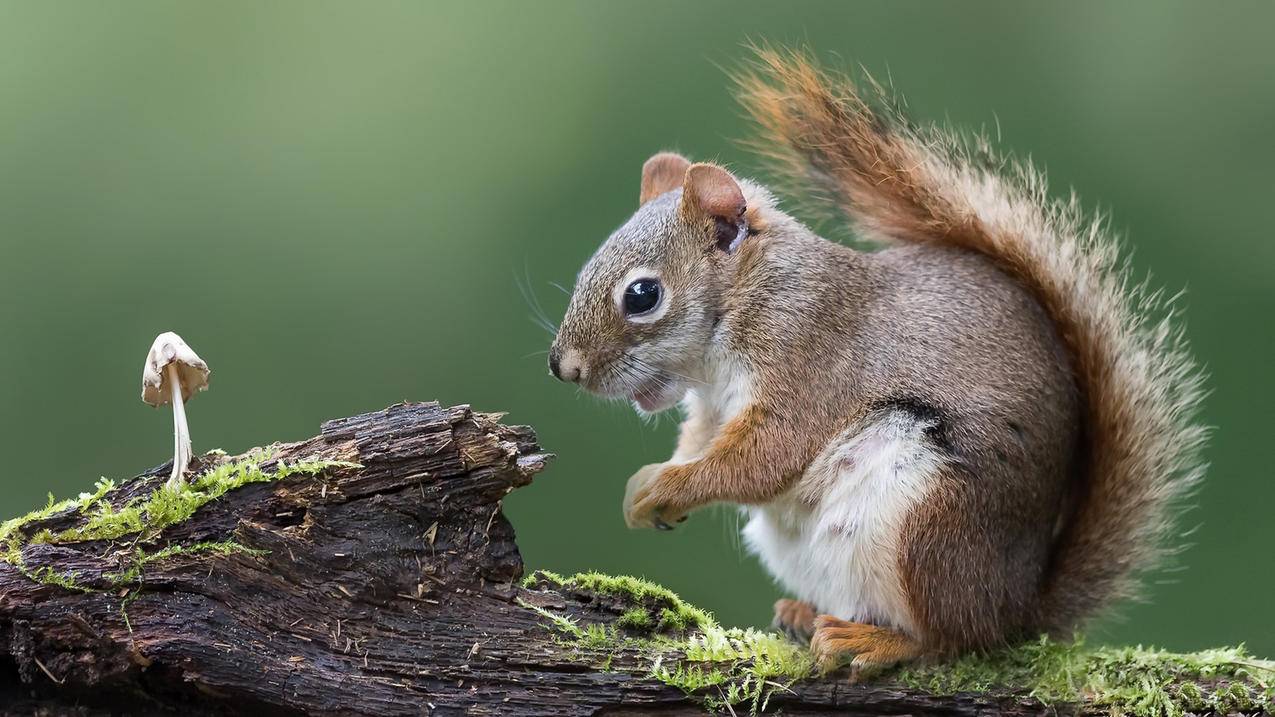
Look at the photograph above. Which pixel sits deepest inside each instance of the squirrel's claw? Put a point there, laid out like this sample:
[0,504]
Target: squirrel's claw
[636,497]
[795,619]
[643,505]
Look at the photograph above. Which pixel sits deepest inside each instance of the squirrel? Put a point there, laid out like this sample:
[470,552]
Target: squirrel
[973,434]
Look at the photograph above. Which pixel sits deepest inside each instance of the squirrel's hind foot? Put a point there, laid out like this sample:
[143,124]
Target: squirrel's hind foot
[795,619]
[874,648]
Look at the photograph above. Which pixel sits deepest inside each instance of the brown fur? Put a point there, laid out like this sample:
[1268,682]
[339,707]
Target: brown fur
[1140,389]
[662,173]
[711,191]
[728,471]
[795,619]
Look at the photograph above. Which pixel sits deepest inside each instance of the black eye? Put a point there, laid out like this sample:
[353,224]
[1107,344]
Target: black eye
[641,296]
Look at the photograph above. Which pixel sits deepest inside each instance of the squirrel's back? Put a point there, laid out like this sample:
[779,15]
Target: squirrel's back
[953,324]
[1139,390]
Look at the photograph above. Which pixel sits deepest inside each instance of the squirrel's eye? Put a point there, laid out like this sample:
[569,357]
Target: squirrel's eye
[641,296]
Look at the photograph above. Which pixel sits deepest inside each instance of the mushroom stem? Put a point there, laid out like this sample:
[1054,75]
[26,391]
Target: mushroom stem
[181,431]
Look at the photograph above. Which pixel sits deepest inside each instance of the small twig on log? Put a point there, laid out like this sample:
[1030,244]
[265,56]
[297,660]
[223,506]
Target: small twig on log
[45,670]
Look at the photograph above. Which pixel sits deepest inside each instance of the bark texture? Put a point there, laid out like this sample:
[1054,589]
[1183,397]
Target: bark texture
[387,589]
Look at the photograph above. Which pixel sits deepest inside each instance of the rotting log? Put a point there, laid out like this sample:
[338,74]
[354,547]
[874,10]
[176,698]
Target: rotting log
[387,588]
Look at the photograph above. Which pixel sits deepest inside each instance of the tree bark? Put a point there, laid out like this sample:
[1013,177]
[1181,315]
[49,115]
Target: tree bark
[387,589]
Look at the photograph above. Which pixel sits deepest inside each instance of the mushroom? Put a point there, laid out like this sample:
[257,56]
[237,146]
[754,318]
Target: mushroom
[174,373]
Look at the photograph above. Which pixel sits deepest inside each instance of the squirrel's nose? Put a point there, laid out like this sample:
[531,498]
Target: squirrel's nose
[565,366]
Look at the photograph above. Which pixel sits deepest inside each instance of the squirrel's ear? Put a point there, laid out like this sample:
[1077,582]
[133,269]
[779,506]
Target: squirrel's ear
[711,193]
[662,173]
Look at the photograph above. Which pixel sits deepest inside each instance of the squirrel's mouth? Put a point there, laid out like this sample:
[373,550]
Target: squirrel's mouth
[656,396]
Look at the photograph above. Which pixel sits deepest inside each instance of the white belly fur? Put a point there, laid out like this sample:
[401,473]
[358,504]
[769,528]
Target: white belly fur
[833,539]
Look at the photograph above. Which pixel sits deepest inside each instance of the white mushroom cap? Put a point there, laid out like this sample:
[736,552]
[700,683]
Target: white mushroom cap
[192,372]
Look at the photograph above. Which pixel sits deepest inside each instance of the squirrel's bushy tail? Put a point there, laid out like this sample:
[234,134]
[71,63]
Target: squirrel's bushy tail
[899,183]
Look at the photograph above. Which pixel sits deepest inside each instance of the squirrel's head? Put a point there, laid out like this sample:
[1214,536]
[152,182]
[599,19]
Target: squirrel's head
[645,305]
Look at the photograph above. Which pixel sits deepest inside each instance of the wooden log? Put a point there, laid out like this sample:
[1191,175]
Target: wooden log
[387,586]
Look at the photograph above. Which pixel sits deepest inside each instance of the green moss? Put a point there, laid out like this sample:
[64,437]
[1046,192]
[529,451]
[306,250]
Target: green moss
[45,575]
[1132,681]
[689,678]
[675,614]
[53,507]
[770,655]
[678,620]
[752,663]
[547,576]
[1191,698]
[143,515]
[128,600]
[219,547]
[48,576]
[721,667]
[12,551]
[141,558]
[106,522]
[600,637]
[561,623]
[164,506]
[637,618]
[167,505]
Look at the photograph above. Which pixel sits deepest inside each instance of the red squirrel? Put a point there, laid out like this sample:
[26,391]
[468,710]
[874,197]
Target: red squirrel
[969,436]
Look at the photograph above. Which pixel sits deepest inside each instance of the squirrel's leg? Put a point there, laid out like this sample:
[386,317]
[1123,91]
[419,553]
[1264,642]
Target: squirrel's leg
[749,461]
[971,560]
[873,648]
[796,619]
[694,435]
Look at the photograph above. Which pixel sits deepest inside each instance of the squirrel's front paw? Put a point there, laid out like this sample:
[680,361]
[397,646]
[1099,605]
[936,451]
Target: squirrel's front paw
[648,502]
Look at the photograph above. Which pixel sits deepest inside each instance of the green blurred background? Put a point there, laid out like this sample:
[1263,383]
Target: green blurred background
[334,204]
